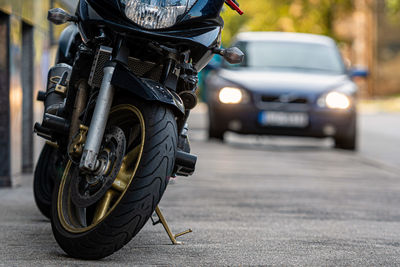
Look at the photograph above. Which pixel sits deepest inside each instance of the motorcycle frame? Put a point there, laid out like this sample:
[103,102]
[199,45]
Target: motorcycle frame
[97,26]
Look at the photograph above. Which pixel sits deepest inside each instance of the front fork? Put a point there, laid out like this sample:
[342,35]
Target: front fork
[185,162]
[98,123]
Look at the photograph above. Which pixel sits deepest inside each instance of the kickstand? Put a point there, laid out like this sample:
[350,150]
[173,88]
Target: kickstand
[162,220]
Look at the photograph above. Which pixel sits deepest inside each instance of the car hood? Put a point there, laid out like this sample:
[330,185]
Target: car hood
[279,82]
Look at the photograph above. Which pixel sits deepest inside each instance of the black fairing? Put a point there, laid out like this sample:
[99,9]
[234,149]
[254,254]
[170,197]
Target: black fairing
[67,45]
[145,88]
[200,28]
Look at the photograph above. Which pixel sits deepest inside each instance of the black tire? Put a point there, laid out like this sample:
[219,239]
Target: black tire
[43,180]
[346,143]
[349,141]
[140,198]
[214,132]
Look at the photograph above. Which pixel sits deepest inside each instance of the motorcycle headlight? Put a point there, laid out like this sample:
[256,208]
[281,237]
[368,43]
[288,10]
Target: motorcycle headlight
[156,14]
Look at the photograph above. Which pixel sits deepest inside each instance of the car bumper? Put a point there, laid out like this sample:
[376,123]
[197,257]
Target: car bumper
[243,119]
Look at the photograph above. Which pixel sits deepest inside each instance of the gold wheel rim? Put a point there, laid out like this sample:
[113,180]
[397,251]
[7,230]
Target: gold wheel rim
[119,187]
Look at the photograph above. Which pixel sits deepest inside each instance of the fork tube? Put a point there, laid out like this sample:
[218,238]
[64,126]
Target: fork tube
[80,102]
[99,121]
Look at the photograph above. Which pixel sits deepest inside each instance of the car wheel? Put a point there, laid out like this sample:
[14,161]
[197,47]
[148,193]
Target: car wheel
[216,134]
[349,141]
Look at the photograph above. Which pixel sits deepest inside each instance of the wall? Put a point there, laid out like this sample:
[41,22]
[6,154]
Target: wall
[25,67]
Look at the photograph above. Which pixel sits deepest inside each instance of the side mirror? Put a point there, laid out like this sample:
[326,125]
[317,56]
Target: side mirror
[59,16]
[358,72]
[232,55]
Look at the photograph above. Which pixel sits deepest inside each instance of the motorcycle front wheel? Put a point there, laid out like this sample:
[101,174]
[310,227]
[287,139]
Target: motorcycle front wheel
[90,227]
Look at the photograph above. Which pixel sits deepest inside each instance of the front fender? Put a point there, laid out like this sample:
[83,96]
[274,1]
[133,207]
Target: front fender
[146,89]
[65,44]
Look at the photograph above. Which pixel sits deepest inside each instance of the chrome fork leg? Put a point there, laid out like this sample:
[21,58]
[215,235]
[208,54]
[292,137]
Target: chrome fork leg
[99,121]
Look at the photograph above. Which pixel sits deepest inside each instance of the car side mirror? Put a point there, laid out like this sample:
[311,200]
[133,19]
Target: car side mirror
[358,72]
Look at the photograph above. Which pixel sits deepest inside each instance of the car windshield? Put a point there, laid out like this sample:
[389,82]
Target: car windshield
[293,56]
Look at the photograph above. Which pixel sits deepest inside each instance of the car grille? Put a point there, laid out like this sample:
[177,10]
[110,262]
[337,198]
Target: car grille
[282,102]
[280,99]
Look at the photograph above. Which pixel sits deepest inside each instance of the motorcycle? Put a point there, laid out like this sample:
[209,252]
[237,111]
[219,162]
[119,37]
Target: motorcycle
[115,115]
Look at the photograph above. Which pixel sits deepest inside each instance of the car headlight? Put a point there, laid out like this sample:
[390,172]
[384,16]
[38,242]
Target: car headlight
[156,14]
[231,95]
[335,100]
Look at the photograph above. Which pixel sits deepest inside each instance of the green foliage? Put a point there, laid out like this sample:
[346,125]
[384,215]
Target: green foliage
[310,16]
[393,6]
[393,10]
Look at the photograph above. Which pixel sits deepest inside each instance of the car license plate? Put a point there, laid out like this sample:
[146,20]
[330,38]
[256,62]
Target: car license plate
[283,119]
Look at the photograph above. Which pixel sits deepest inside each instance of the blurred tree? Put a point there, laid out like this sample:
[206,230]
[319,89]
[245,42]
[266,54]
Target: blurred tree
[393,10]
[311,16]
[393,5]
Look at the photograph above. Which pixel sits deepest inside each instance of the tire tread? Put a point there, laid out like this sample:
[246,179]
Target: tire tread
[141,198]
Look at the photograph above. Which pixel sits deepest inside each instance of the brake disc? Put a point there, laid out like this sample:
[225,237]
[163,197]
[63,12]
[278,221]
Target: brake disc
[89,188]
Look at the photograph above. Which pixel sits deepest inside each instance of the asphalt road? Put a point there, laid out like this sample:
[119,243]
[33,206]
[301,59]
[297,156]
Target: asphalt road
[380,137]
[252,201]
